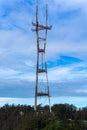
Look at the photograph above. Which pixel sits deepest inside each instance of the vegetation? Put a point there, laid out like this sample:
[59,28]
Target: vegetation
[62,117]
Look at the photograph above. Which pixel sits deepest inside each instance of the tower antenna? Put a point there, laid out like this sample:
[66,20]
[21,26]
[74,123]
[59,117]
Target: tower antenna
[41,65]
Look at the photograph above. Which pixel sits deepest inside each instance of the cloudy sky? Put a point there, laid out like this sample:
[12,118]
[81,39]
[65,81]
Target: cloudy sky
[66,51]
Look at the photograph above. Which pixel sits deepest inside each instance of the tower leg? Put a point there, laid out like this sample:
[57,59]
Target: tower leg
[41,67]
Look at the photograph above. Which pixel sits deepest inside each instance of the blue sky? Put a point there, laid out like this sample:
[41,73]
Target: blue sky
[66,50]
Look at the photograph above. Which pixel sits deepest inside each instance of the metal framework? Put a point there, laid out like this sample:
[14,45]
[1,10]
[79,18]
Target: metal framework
[41,66]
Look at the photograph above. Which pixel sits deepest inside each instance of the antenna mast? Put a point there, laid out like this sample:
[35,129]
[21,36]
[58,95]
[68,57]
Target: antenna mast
[41,66]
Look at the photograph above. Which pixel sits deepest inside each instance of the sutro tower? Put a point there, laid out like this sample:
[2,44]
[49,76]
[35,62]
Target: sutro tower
[42,86]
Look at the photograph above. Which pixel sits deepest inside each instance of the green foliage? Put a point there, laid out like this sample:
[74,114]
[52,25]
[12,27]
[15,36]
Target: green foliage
[55,125]
[62,125]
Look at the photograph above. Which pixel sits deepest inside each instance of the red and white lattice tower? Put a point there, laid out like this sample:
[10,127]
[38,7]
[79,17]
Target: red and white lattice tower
[42,86]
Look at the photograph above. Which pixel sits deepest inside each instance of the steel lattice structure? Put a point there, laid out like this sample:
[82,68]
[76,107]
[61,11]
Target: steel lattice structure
[41,66]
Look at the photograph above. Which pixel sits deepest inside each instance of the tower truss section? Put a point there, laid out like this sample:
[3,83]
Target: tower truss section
[42,85]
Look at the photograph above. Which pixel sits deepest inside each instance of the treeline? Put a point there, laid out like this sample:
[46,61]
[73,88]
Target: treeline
[23,117]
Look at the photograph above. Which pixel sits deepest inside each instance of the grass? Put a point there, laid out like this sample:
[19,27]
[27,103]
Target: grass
[64,125]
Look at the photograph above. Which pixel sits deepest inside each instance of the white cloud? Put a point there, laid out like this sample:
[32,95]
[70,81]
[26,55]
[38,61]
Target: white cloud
[77,101]
[68,73]
[82,91]
[16,101]
[72,4]
[6,73]
[75,49]
[18,46]
[56,6]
